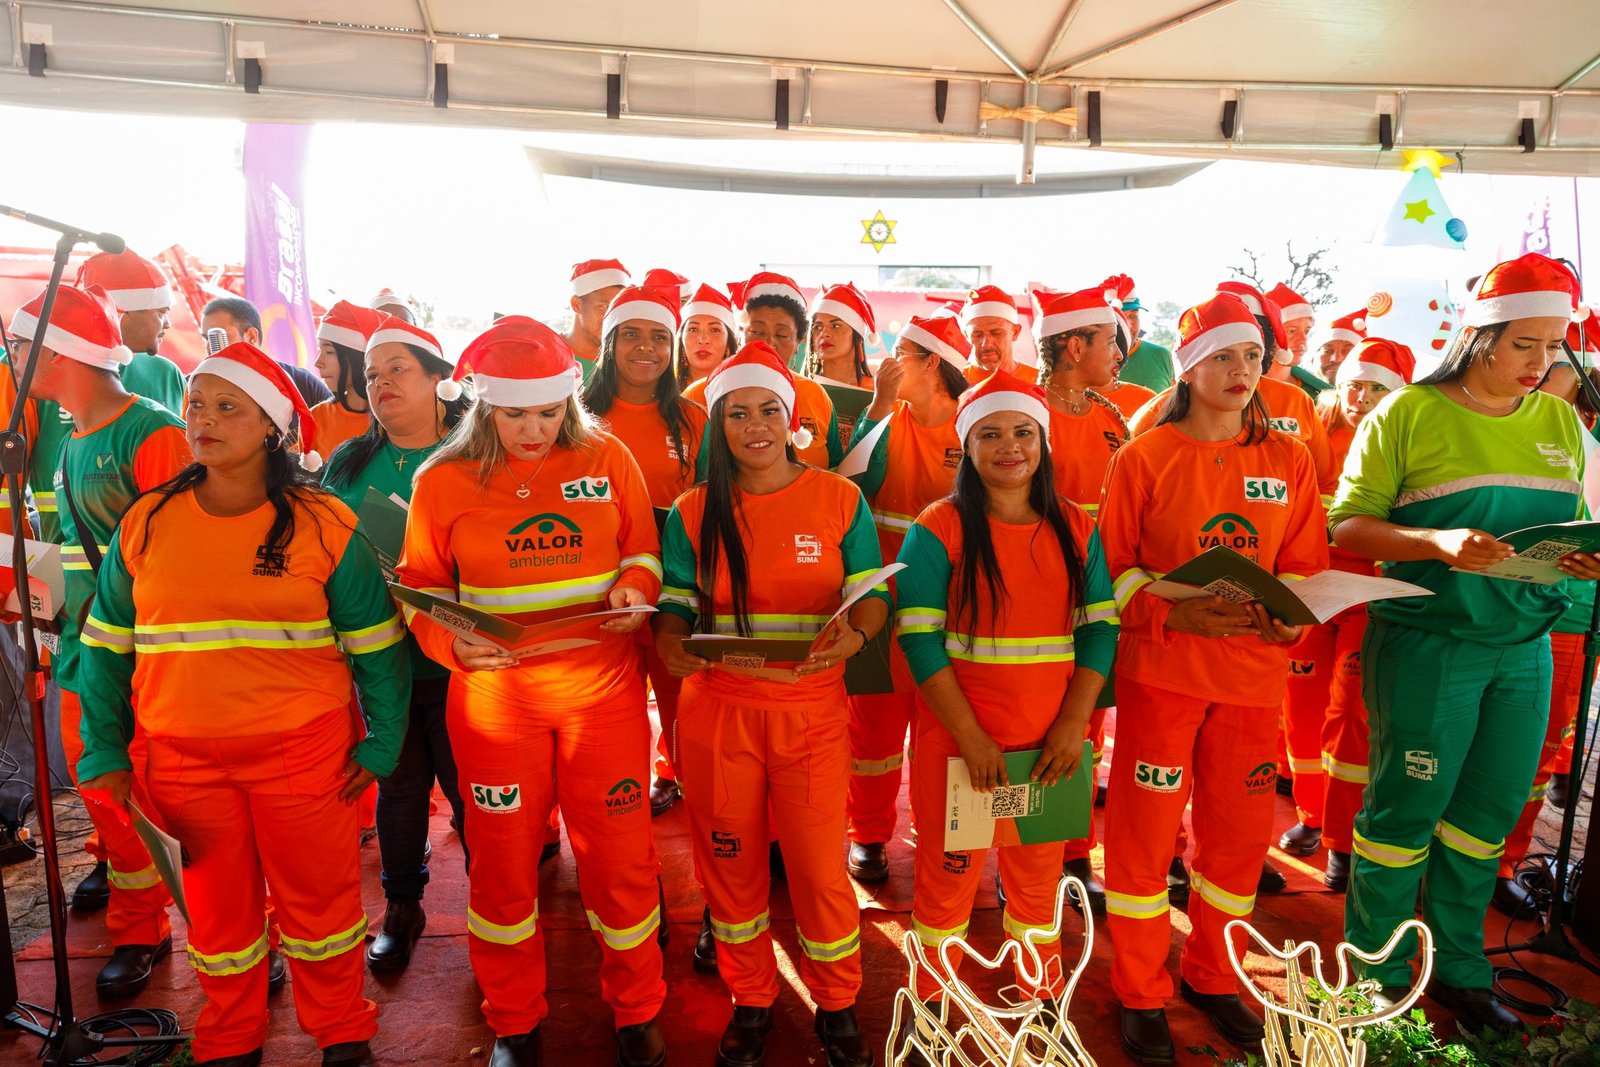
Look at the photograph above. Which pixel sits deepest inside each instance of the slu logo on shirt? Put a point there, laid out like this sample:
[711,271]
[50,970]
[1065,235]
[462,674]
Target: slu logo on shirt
[1286,425]
[1157,779]
[1266,490]
[497,799]
[589,489]
[1234,531]
[807,548]
[1421,764]
[624,797]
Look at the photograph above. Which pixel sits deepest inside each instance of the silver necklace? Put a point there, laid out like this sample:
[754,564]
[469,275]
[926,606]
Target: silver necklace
[1511,407]
[523,492]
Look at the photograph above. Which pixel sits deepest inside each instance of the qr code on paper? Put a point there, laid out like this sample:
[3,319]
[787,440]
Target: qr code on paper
[1232,592]
[1009,801]
[1550,551]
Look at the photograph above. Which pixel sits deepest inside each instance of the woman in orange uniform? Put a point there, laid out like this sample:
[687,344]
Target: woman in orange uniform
[635,392]
[708,336]
[912,464]
[342,337]
[1005,615]
[1199,682]
[529,511]
[841,325]
[228,662]
[745,743]
[1323,711]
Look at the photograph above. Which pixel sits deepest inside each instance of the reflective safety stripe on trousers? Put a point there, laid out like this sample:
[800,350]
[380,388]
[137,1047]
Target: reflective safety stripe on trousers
[932,936]
[739,933]
[1387,855]
[1129,906]
[1453,837]
[1354,773]
[871,768]
[218,964]
[146,878]
[327,947]
[1228,903]
[514,934]
[622,939]
[829,951]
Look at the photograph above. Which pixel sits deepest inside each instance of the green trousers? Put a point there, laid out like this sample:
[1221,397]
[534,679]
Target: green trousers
[1456,729]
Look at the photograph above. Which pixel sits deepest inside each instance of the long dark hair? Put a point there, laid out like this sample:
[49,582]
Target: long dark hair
[979,571]
[600,392]
[680,359]
[352,375]
[814,361]
[1257,420]
[1051,348]
[1476,346]
[352,457]
[721,535]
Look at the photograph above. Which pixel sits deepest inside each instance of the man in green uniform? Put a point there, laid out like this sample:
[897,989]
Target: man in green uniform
[1148,363]
[143,295]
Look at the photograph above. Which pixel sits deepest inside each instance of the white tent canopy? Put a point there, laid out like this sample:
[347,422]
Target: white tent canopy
[1301,80]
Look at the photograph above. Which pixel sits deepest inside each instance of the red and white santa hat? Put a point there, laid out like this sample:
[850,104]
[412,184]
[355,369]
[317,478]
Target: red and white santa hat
[709,300]
[1060,312]
[1258,305]
[349,324]
[390,330]
[1378,359]
[387,297]
[670,280]
[133,282]
[516,363]
[847,303]
[594,274]
[1583,338]
[1122,285]
[1532,286]
[1207,328]
[1291,305]
[83,326]
[766,283]
[1351,328]
[757,366]
[265,381]
[989,301]
[940,333]
[1001,391]
[651,303]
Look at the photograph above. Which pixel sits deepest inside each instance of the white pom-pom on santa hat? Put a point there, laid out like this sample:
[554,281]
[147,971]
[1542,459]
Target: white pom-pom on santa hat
[801,439]
[448,389]
[311,461]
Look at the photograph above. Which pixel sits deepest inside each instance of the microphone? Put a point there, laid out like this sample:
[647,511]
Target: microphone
[108,242]
[216,340]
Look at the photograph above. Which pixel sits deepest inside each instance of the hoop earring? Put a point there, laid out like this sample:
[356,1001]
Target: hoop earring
[274,442]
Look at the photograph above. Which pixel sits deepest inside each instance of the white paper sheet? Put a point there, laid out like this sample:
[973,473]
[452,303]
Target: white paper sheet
[1333,591]
[856,460]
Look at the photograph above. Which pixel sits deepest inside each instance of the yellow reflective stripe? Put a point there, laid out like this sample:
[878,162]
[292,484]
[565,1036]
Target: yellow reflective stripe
[1327,502]
[1019,930]
[874,767]
[1299,766]
[542,596]
[373,638]
[1538,792]
[1044,649]
[1291,577]
[647,560]
[1219,898]
[1387,855]
[210,634]
[852,579]
[796,627]
[829,951]
[1101,611]
[739,933]
[514,934]
[628,937]
[74,558]
[1456,838]
[141,879]
[1355,773]
[326,947]
[99,634]
[225,963]
[919,620]
[892,520]
[685,598]
[1130,906]
[1128,583]
[930,935]
[44,501]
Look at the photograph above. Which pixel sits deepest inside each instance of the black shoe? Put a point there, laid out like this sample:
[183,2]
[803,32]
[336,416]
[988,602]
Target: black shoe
[1475,1009]
[1301,840]
[550,851]
[1227,1013]
[94,892]
[277,971]
[1285,785]
[347,1054]
[705,946]
[128,969]
[869,862]
[1146,1037]
[641,1045]
[744,1042]
[1082,869]
[775,865]
[663,794]
[1177,887]
[521,1050]
[243,1059]
[1100,796]
[1511,899]
[1271,880]
[403,922]
[911,1058]
[841,1038]
[1336,875]
[1559,793]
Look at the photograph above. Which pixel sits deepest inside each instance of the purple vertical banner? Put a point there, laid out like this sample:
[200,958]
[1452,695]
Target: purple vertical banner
[275,245]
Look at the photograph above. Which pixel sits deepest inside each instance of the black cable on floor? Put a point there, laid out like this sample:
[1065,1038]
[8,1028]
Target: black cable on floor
[125,1023]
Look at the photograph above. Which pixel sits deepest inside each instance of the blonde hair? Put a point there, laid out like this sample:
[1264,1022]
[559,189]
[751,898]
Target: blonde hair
[476,439]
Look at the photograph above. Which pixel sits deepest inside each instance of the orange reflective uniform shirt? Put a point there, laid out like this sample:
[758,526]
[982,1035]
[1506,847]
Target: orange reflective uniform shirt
[1081,447]
[1339,440]
[585,527]
[1129,397]
[816,415]
[337,424]
[911,467]
[1170,497]
[1023,371]
[667,472]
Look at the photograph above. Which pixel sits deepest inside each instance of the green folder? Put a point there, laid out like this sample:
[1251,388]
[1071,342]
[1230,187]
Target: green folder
[384,523]
[868,673]
[1540,548]
[1025,812]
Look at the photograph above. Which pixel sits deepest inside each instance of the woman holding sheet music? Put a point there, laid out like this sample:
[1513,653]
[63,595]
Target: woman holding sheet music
[528,510]
[764,548]
[403,366]
[1005,615]
[1199,682]
[1457,685]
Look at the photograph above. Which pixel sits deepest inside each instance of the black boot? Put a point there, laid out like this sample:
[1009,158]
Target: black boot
[705,946]
[869,861]
[1082,870]
[841,1038]
[1559,793]
[641,1045]
[94,892]
[1271,880]
[1336,875]
[744,1042]
[403,922]
[915,1058]
[347,1054]
[277,971]
[1146,1037]
[521,1050]
[1227,1013]
[1301,840]
[1177,887]
[663,794]
[1475,1009]
[128,970]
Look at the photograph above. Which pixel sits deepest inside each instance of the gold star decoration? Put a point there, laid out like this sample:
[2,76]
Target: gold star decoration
[879,232]
[1419,210]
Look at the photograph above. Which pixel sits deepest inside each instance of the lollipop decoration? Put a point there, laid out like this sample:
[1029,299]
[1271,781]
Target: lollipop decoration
[1380,303]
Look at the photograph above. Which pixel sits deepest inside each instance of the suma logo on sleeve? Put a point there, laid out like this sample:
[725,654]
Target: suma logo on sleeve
[588,490]
[1266,491]
[1157,779]
[497,799]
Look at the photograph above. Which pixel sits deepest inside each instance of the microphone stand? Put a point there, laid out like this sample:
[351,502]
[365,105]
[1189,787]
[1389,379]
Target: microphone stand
[67,1041]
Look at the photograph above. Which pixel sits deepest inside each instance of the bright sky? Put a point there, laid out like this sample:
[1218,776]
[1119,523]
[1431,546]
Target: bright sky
[461,217]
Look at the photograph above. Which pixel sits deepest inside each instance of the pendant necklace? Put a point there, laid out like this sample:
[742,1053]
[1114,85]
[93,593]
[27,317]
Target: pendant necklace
[405,454]
[1062,396]
[1468,393]
[523,492]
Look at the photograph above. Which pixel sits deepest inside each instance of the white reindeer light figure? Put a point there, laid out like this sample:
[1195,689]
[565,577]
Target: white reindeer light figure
[1324,1033]
[963,1030]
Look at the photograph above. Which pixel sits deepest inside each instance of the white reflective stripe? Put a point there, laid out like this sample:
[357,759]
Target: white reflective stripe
[931,936]
[213,634]
[374,638]
[829,951]
[1456,838]
[226,963]
[1306,767]
[623,938]
[1128,583]
[509,600]
[891,520]
[514,934]
[147,878]
[799,627]
[919,619]
[1128,906]
[1044,649]
[1355,773]
[1219,898]
[874,767]
[646,560]
[327,947]
[1387,855]
[98,634]
[1487,481]
[75,558]
[684,598]
[1101,611]
[739,933]
[1019,930]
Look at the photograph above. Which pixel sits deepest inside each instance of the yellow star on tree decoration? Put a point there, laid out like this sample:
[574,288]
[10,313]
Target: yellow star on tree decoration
[879,232]
[1419,210]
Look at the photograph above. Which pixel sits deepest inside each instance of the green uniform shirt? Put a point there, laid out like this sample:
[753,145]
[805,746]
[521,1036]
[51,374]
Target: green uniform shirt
[1149,365]
[1420,459]
[44,457]
[388,475]
[1312,384]
[156,377]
